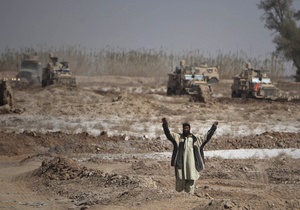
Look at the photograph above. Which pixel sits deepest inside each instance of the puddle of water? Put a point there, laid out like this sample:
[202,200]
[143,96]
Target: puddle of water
[225,154]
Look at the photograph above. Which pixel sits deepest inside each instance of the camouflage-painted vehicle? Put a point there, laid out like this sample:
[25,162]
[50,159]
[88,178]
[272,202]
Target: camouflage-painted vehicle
[6,94]
[184,81]
[59,74]
[210,73]
[253,83]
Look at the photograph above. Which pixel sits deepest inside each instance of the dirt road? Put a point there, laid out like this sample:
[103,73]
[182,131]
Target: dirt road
[57,153]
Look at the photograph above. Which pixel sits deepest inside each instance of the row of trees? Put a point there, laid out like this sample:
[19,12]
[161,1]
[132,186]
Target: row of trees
[139,62]
[281,17]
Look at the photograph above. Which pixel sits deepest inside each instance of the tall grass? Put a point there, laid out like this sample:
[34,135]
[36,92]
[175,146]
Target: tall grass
[139,62]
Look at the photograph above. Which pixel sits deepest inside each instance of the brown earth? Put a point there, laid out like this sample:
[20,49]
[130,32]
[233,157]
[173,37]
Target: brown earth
[101,146]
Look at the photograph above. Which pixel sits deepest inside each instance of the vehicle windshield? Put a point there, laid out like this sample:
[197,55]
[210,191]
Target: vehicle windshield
[190,77]
[264,80]
[29,65]
[66,71]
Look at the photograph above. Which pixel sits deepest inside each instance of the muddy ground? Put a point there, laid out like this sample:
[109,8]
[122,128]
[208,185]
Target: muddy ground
[101,146]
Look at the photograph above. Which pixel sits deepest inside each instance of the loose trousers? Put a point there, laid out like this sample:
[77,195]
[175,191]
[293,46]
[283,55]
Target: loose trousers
[186,185]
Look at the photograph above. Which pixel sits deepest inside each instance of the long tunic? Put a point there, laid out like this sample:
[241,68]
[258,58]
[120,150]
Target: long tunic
[188,171]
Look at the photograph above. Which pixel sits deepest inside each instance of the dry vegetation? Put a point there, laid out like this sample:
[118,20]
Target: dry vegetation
[141,62]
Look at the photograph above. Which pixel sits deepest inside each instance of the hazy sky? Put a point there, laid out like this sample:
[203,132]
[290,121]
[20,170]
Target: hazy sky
[208,25]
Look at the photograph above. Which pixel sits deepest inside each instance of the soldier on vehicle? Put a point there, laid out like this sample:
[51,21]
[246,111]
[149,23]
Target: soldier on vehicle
[179,69]
[54,65]
[188,155]
[246,70]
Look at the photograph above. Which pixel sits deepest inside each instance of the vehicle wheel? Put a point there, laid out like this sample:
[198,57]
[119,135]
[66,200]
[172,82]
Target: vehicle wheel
[234,94]
[10,100]
[250,95]
[213,81]
[169,91]
[38,80]
[44,83]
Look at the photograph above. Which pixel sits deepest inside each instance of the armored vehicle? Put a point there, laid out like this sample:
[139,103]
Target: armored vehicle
[210,73]
[6,94]
[58,73]
[184,81]
[253,83]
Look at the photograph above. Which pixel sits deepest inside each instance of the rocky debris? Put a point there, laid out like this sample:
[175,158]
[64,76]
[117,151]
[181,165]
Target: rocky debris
[266,140]
[121,96]
[30,133]
[220,205]
[33,204]
[61,168]
[66,177]
[104,134]
[5,109]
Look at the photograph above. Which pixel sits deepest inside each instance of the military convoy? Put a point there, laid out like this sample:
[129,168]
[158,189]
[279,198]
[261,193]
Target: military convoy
[31,73]
[250,83]
[254,83]
[185,80]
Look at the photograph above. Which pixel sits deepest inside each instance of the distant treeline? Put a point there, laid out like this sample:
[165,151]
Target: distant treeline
[140,62]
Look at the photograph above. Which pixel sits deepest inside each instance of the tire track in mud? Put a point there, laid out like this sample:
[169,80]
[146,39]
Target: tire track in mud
[15,192]
[13,189]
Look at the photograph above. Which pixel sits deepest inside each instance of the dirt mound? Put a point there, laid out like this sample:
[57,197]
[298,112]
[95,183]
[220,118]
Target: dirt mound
[61,168]
[67,177]
[220,204]
[266,140]
[29,142]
